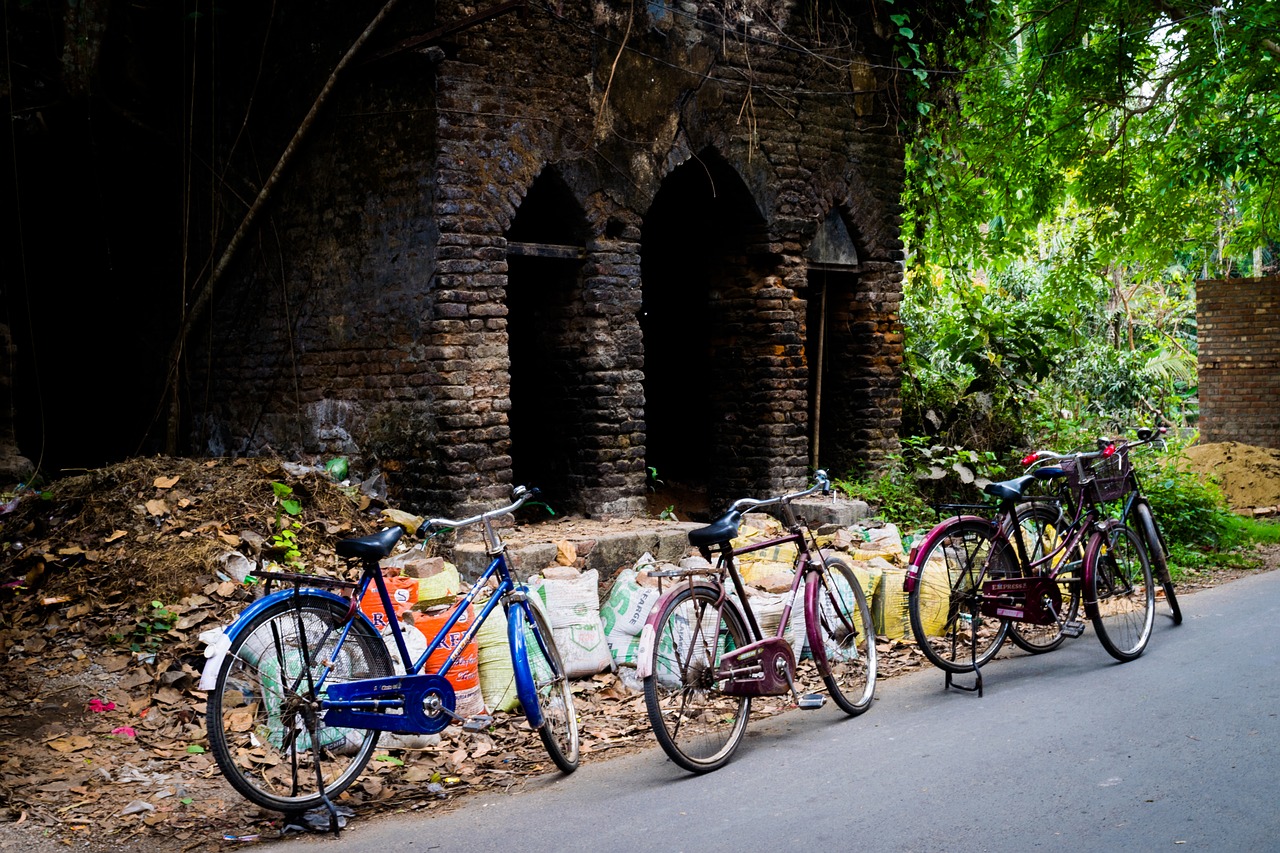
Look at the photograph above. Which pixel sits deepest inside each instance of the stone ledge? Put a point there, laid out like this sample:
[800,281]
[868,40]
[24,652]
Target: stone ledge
[608,547]
[606,550]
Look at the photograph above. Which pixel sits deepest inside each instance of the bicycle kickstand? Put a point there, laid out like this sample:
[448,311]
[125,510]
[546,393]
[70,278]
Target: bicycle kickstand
[976,687]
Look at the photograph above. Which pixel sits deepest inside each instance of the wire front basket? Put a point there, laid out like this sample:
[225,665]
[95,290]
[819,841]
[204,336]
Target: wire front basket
[1099,479]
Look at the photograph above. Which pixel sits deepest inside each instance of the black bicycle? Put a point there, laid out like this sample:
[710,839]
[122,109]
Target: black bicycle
[1114,479]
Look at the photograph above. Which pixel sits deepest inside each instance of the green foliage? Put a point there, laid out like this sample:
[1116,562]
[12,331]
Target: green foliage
[909,485]
[283,494]
[152,625]
[892,494]
[1157,118]
[992,360]
[284,537]
[1084,162]
[1190,509]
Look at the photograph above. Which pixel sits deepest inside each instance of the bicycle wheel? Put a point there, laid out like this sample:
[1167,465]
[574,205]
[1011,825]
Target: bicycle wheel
[698,726]
[841,636]
[1043,526]
[1120,596]
[559,729]
[1145,525]
[264,729]
[944,604]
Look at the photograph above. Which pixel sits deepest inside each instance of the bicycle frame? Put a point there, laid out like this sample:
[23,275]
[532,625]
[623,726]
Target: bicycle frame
[1047,567]
[395,703]
[804,566]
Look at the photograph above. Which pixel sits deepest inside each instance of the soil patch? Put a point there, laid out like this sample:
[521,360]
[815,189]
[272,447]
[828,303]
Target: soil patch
[1249,476]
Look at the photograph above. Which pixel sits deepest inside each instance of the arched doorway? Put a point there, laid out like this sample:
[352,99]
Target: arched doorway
[838,349]
[702,264]
[545,247]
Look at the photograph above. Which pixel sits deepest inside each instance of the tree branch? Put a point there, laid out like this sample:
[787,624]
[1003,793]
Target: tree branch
[195,309]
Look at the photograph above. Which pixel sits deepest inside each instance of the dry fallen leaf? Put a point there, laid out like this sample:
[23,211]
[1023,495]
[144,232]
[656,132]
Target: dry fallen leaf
[166,482]
[157,507]
[72,743]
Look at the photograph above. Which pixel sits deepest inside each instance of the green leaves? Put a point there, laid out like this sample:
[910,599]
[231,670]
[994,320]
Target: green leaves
[1159,126]
[283,491]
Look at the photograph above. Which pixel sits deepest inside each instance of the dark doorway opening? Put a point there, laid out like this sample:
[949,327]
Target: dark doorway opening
[695,247]
[837,349]
[833,421]
[544,251]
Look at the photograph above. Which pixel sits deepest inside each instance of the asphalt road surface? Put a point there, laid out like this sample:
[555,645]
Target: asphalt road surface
[1069,751]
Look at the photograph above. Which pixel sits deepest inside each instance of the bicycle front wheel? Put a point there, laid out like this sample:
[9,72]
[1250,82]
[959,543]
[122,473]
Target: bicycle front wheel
[841,635]
[265,729]
[1043,526]
[1145,525]
[945,602]
[1119,595]
[559,729]
[697,724]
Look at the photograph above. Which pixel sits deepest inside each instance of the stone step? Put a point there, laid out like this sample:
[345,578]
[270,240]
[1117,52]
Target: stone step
[610,546]
[606,550]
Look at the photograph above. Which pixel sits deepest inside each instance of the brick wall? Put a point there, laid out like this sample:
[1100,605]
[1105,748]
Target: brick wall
[1239,336]
[377,320]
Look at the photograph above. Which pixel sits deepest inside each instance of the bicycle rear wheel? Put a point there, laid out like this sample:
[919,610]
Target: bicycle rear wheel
[841,635]
[944,604]
[1147,530]
[267,735]
[1120,595]
[697,725]
[1042,529]
[559,729]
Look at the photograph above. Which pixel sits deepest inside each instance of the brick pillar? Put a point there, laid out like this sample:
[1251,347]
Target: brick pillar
[1238,324]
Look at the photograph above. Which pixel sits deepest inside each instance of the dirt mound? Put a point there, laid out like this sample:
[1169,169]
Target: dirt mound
[1249,476]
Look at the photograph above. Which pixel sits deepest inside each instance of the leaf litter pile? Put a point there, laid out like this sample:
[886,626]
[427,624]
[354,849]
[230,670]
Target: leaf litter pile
[107,581]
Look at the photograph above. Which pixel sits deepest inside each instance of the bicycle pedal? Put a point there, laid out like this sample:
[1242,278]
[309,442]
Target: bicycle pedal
[1072,629]
[811,701]
[478,723]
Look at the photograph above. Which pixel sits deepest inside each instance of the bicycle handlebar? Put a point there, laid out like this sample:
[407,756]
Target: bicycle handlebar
[1106,447]
[823,485]
[520,494]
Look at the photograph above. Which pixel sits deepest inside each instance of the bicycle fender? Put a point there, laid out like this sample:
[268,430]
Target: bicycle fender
[648,634]
[914,564]
[526,689]
[1096,549]
[247,615]
[216,650]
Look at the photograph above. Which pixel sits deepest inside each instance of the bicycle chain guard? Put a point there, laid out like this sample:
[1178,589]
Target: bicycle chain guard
[414,704]
[1037,600]
[763,668]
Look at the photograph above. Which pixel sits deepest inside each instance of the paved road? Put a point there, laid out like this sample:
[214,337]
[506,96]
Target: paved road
[1068,751]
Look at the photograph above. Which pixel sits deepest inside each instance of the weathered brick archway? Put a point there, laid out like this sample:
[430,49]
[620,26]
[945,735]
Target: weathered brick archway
[560,261]
[724,376]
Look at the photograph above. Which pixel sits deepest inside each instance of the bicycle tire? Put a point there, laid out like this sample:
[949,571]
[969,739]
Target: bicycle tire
[1154,542]
[261,720]
[841,635]
[698,726]
[950,567]
[1119,594]
[1044,522]
[559,728]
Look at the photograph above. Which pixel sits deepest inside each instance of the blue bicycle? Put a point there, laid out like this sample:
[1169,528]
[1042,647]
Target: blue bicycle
[307,683]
